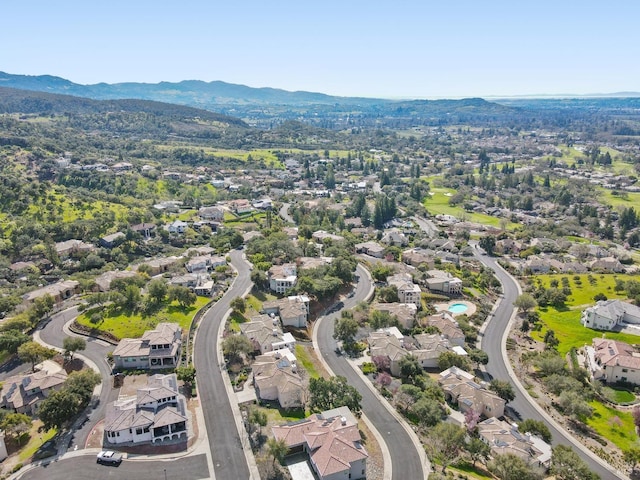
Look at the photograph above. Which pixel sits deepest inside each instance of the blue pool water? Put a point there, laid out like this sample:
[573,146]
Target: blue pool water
[458,308]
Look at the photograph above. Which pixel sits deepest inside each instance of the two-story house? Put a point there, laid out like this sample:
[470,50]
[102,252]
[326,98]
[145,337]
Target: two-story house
[157,349]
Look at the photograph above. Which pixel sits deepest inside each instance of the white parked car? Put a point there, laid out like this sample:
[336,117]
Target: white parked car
[109,457]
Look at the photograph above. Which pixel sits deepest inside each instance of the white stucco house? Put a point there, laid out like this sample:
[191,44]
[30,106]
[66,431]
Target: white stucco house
[610,314]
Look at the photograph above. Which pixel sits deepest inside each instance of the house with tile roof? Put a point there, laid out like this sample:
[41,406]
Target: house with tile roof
[614,361]
[332,441]
[443,282]
[282,277]
[59,291]
[157,412]
[461,389]
[503,438]
[404,312]
[408,292]
[293,310]
[158,348]
[610,315]
[266,335]
[447,326]
[276,378]
[24,393]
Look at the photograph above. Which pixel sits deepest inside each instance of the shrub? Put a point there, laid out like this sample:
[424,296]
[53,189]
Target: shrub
[369,367]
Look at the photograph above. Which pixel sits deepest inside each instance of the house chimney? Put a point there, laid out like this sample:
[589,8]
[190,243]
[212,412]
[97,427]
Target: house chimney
[275,332]
[343,421]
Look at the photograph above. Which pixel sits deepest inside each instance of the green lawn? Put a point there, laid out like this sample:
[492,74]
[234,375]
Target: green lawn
[628,199]
[280,415]
[35,441]
[235,319]
[133,326]
[467,470]
[614,425]
[438,204]
[582,292]
[305,359]
[618,396]
[566,322]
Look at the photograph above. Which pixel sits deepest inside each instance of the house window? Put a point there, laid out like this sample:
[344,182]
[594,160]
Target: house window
[138,431]
[625,370]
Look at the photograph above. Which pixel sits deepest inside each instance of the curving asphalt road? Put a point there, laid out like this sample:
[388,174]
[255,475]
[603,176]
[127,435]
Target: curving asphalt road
[284,213]
[52,334]
[406,463]
[226,447]
[493,342]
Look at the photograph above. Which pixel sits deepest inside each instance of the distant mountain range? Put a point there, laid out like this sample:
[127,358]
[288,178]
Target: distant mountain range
[191,92]
[267,107]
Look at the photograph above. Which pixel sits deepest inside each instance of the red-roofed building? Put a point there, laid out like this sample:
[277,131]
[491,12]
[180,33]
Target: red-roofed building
[332,441]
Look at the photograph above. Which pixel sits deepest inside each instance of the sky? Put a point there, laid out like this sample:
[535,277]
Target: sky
[385,49]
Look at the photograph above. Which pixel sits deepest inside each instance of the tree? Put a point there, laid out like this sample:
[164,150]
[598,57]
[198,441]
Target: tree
[410,368]
[58,408]
[132,297]
[525,302]
[477,450]
[186,374]
[446,442]
[428,411]
[345,329]
[16,424]
[34,353]
[182,295]
[550,340]
[511,467]
[257,417]
[567,465]
[157,290]
[333,393]
[11,340]
[239,304]
[573,405]
[503,389]
[451,359]
[82,383]
[235,346]
[536,427]
[632,457]
[71,345]
[479,357]
[488,244]
[277,449]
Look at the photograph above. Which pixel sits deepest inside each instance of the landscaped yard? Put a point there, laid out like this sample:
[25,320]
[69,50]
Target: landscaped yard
[133,326]
[618,395]
[36,440]
[583,291]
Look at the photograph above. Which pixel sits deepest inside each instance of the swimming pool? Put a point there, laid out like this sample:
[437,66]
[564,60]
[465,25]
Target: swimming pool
[458,308]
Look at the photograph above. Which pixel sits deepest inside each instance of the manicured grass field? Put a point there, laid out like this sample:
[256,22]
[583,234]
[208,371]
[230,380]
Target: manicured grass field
[566,322]
[438,204]
[305,359]
[235,319]
[628,199]
[133,326]
[583,291]
[614,425]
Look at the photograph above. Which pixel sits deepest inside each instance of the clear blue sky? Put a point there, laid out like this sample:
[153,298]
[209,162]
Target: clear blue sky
[402,48]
